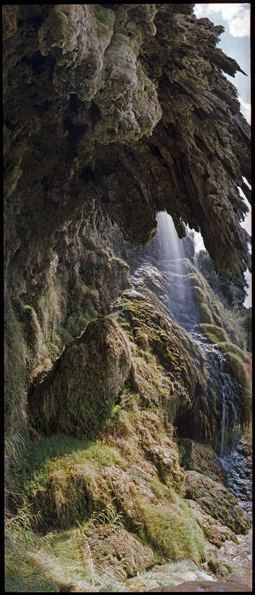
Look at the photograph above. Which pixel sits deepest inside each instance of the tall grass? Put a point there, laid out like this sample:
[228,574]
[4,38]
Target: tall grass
[58,560]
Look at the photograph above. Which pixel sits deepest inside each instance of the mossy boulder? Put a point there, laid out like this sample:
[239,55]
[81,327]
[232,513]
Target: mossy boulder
[84,382]
[216,501]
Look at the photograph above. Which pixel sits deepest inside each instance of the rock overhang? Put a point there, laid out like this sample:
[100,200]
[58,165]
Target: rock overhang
[128,105]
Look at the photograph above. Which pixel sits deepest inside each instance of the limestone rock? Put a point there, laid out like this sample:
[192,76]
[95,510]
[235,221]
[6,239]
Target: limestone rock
[84,381]
[126,105]
[215,500]
[213,530]
[10,16]
[127,553]
[200,458]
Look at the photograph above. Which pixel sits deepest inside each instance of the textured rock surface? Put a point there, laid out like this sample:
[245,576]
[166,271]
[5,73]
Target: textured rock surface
[200,458]
[217,501]
[127,554]
[115,112]
[86,379]
[214,531]
[111,114]
[128,106]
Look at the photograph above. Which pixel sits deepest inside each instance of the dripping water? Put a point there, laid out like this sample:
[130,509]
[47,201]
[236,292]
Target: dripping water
[223,424]
[232,449]
[181,304]
[168,278]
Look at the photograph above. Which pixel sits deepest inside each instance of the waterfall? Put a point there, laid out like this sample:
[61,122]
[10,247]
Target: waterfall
[234,453]
[163,268]
[181,304]
[223,424]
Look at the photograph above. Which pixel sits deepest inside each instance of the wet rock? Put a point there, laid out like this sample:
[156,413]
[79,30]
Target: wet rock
[216,501]
[238,471]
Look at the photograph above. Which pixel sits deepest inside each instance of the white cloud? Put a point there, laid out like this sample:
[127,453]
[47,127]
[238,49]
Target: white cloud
[236,15]
[245,109]
[240,27]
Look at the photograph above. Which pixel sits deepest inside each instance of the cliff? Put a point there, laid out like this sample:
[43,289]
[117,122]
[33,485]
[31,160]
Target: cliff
[126,106]
[114,405]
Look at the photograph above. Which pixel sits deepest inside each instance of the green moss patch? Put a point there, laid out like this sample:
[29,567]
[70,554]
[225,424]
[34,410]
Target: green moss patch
[214,333]
[171,529]
[55,472]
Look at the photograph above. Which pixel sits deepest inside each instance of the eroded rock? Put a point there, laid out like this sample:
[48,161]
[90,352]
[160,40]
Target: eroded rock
[84,381]
[215,500]
[200,458]
[128,555]
[128,106]
[213,530]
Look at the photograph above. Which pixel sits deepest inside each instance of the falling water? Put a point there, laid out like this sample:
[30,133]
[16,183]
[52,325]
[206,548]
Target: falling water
[168,278]
[222,444]
[181,303]
[234,456]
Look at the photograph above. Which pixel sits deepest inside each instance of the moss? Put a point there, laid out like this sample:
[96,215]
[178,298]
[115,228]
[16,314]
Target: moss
[85,383]
[206,313]
[195,280]
[240,363]
[237,360]
[214,333]
[170,529]
[61,477]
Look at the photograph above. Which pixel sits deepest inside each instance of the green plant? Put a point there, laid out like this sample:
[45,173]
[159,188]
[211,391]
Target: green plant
[170,529]
[108,516]
[15,444]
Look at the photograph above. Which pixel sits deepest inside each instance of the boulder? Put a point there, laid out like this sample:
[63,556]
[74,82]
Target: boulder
[217,501]
[84,382]
[213,530]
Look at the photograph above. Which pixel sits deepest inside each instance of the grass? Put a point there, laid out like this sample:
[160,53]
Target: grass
[57,560]
[166,575]
[171,530]
[59,476]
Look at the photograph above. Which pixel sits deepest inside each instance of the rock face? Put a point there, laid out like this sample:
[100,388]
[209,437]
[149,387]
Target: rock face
[110,113]
[113,113]
[129,553]
[217,501]
[84,381]
[126,105]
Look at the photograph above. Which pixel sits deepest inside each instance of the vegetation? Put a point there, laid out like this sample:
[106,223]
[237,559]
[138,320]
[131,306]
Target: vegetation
[222,285]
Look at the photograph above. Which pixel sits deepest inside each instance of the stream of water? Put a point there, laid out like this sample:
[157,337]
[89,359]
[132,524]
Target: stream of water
[181,303]
[182,307]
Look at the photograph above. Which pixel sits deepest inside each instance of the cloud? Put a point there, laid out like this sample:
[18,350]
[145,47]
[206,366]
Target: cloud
[245,109]
[236,15]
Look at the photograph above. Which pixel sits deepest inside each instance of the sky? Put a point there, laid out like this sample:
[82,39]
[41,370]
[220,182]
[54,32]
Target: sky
[234,42]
